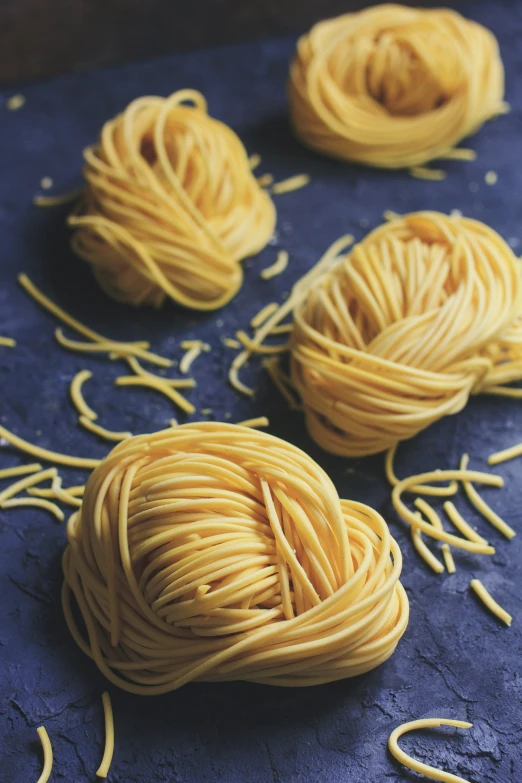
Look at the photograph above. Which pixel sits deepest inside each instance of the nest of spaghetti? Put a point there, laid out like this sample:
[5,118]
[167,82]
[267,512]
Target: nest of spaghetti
[421,314]
[216,552]
[170,206]
[393,86]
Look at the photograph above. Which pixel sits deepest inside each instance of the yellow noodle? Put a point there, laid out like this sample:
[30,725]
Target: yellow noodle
[448,559]
[90,334]
[451,489]
[461,524]
[155,383]
[29,481]
[103,769]
[424,312]
[506,454]
[229,342]
[59,200]
[20,470]
[261,421]
[423,172]
[419,766]
[35,503]
[481,505]
[15,102]
[193,350]
[277,268]
[488,600]
[406,485]
[7,342]
[45,454]
[265,180]
[393,86]
[101,431]
[224,553]
[47,754]
[291,184]
[176,383]
[263,314]
[77,396]
[171,206]
[254,161]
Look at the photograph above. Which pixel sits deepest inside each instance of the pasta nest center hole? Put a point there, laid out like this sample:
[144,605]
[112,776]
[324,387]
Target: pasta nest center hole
[171,206]
[419,315]
[217,552]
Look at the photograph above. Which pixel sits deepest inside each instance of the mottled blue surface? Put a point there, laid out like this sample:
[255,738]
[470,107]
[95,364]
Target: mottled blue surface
[455,660]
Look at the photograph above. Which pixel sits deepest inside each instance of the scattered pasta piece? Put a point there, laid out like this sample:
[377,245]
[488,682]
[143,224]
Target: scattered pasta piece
[458,153]
[265,312]
[254,161]
[481,505]
[451,489]
[101,431]
[90,334]
[58,200]
[448,559]
[292,183]
[207,411]
[505,454]
[419,766]
[461,524]
[46,183]
[7,342]
[47,505]
[28,481]
[265,180]
[422,172]
[443,475]
[176,383]
[77,396]
[424,552]
[229,342]
[193,349]
[488,601]
[491,178]
[103,769]
[15,102]
[277,268]
[152,383]
[261,421]
[20,470]
[46,454]
[174,422]
[47,754]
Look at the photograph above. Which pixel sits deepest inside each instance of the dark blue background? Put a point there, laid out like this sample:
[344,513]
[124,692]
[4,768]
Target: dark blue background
[455,660]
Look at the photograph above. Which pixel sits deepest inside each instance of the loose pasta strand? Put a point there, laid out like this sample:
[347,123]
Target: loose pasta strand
[103,769]
[47,753]
[419,766]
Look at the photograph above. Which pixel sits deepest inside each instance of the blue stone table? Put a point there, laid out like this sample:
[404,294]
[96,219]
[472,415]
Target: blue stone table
[455,660]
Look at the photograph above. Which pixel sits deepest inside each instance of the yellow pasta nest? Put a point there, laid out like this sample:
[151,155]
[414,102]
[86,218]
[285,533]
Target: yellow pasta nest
[422,313]
[394,86]
[171,206]
[216,552]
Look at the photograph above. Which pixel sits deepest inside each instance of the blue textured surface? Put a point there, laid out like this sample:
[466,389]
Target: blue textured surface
[455,660]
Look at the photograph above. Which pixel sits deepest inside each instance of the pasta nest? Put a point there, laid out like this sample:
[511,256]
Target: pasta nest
[393,86]
[398,333]
[171,206]
[215,552]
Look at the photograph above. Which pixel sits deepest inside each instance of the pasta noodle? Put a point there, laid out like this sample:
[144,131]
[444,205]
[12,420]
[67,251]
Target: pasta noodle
[101,431]
[292,183]
[422,313]
[35,503]
[418,766]
[47,753]
[488,600]
[90,334]
[7,342]
[277,268]
[155,383]
[77,396]
[103,769]
[20,470]
[393,86]
[481,505]
[46,454]
[215,552]
[506,454]
[170,206]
